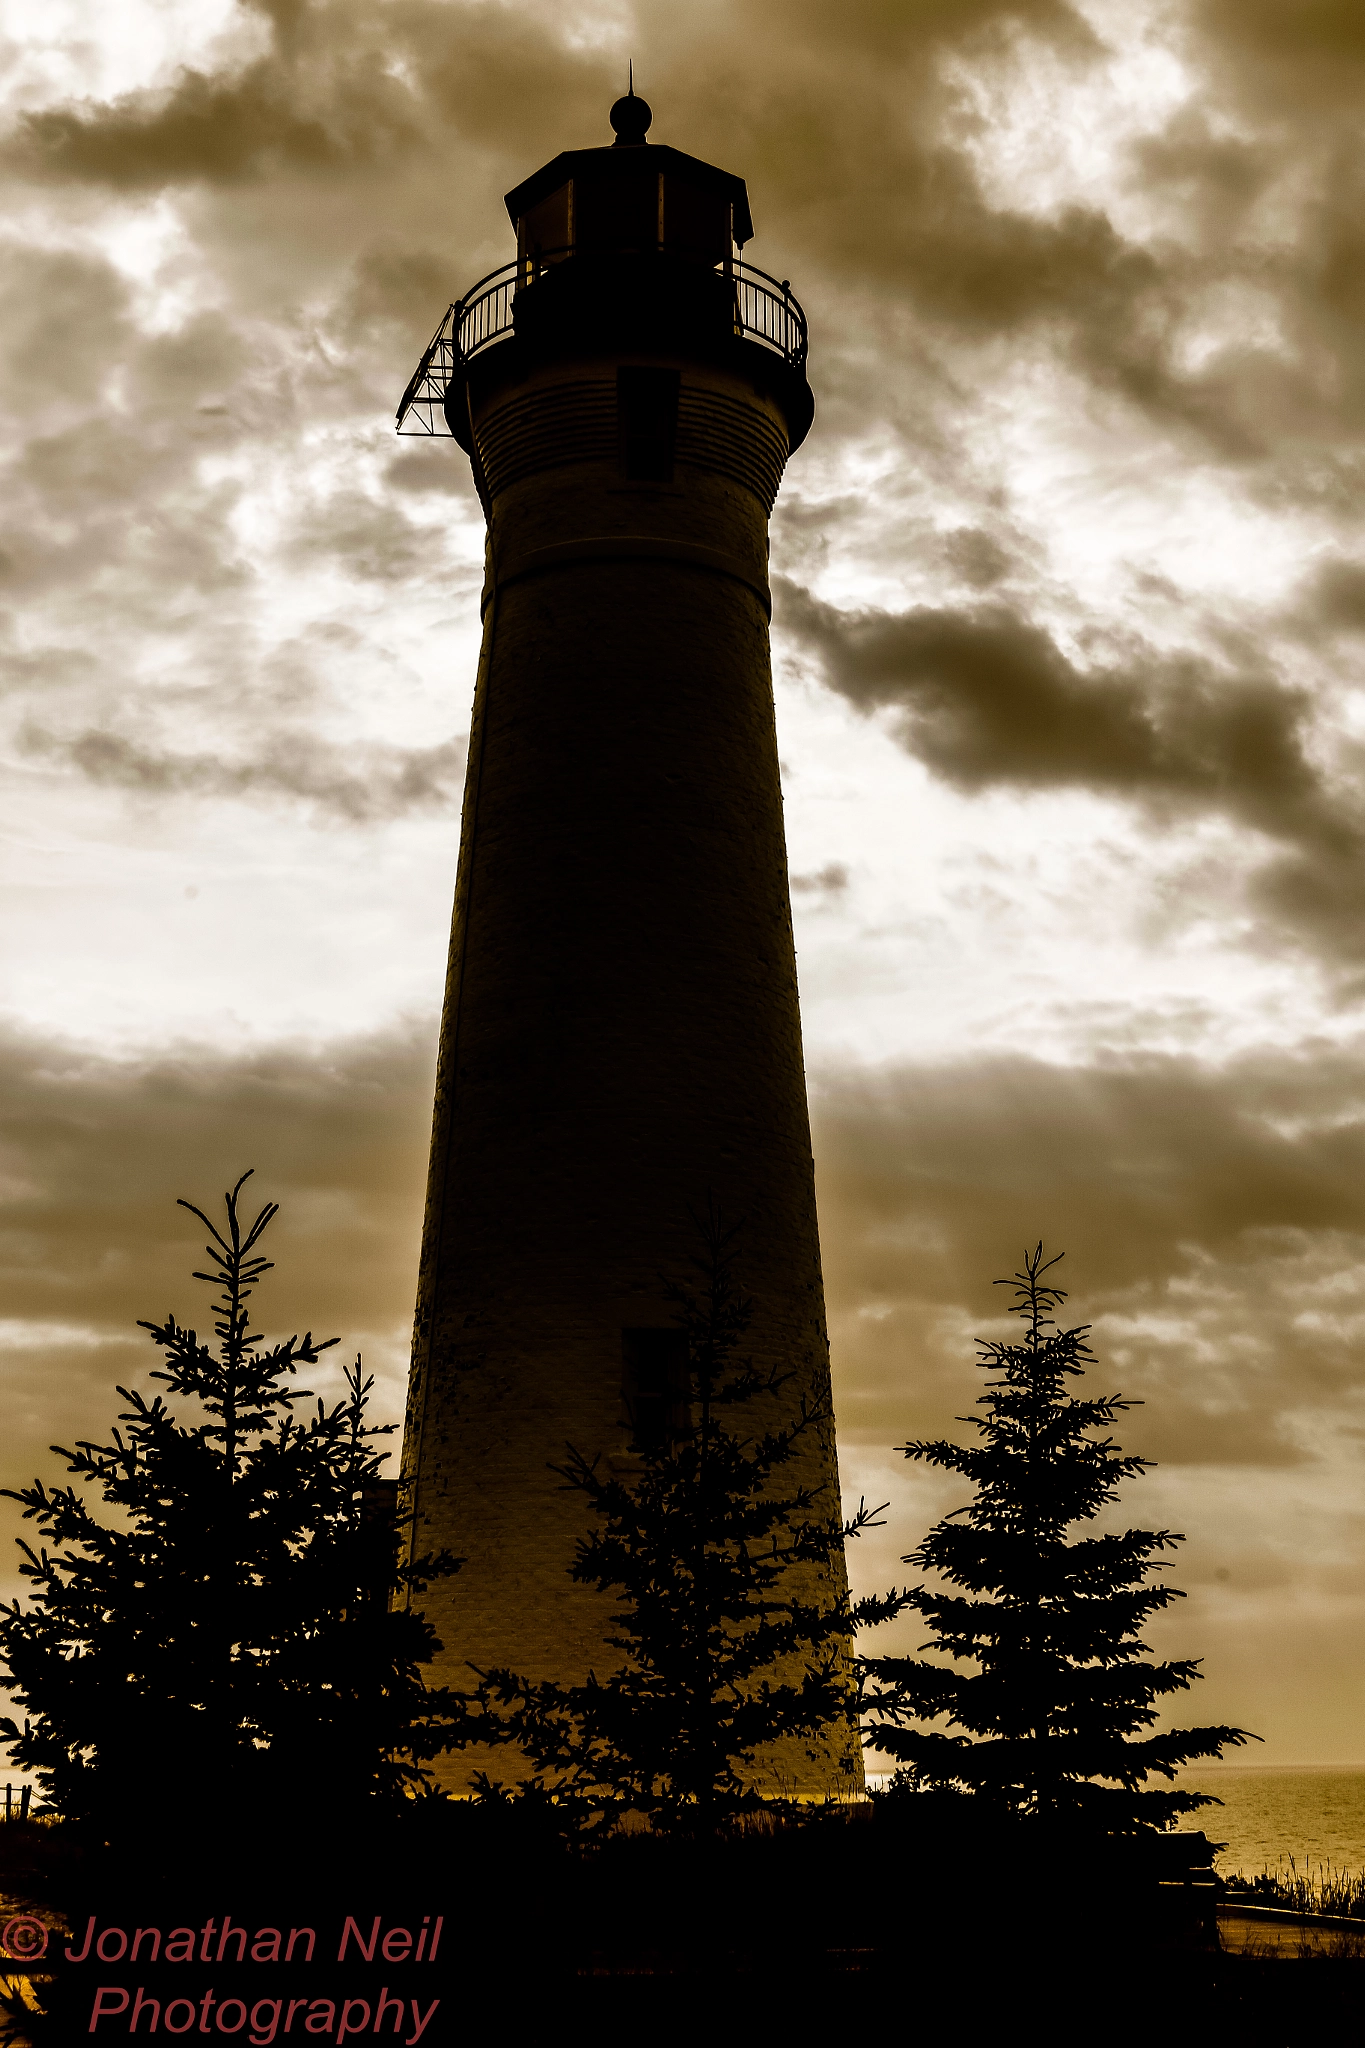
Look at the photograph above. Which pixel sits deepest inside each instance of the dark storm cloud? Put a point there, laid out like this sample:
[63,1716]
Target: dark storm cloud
[906,253]
[426,469]
[1262,176]
[1309,56]
[267,119]
[102,502]
[986,696]
[79,464]
[97,1149]
[161,682]
[830,880]
[109,426]
[344,92]
[885,204]
[884,214]
[95,1152]
[1332,602]
[369,92]
[988,699]
[367,784]
[1213,1222]
[977,557]
[1231,319]
[68,330]
[856,131]
[368,538]
[63,318]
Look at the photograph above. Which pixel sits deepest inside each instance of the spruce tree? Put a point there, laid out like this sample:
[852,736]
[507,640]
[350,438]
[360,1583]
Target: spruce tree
[1053,1722]
[233,1621]
[731,1633]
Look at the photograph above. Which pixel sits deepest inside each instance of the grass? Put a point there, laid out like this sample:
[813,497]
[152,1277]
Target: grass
[1325,1890]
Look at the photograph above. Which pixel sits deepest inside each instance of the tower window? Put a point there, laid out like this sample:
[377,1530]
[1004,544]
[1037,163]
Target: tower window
[647,412]
[654,1385]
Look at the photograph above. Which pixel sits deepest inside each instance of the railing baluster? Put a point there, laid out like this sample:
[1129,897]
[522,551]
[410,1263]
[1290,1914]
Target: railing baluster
[763,309]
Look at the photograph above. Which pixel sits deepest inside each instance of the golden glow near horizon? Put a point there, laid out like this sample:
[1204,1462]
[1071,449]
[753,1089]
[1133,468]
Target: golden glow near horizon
[1071,590]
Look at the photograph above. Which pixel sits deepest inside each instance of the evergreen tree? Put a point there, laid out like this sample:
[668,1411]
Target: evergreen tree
[1052,1719]
[234,1620]
[722,1567]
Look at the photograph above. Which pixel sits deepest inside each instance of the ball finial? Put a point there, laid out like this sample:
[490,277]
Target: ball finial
[630,118]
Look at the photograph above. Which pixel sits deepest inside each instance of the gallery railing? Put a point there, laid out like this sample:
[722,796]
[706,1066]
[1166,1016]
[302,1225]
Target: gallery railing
[764,311]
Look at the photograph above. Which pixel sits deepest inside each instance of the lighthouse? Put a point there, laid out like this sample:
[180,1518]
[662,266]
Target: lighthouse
[621,1037]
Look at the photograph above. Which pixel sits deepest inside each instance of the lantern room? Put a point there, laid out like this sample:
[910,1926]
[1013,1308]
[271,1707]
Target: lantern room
[633,197]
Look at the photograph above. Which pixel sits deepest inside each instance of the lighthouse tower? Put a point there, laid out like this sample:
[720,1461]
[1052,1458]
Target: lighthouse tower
[621,1039]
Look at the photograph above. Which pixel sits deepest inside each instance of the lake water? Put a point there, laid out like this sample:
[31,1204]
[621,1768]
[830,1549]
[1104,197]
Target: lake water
[1268,1815]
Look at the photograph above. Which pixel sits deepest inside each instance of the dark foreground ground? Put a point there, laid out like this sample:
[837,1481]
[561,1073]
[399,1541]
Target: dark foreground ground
[905,1924]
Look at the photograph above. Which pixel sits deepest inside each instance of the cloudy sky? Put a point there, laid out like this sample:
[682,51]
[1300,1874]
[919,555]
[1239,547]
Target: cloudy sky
[1070,606]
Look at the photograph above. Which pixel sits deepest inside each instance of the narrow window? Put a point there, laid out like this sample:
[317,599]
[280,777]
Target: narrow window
[378,1537]
[654,1385]
[647,413]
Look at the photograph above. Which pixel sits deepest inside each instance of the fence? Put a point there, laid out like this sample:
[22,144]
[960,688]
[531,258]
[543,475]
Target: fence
[764,311]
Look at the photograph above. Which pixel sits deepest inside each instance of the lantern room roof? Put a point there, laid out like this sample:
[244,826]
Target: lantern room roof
[616,162]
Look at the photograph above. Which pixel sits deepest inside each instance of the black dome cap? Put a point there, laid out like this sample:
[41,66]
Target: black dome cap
[630,117]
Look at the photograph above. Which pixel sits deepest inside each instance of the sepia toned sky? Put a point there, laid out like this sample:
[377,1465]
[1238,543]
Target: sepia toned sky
[1070,620]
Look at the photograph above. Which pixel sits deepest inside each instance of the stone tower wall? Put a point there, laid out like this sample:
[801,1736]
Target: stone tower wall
[621,1034]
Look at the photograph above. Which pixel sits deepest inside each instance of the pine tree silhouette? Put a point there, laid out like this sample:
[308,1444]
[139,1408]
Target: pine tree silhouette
[233,1622]
[732,1636]
[1051,1721]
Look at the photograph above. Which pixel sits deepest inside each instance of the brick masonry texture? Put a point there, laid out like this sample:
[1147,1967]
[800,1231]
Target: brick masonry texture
[622,1031]
[570,421]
